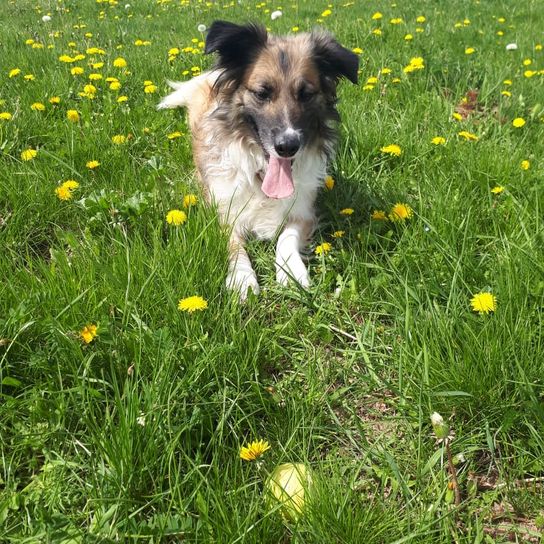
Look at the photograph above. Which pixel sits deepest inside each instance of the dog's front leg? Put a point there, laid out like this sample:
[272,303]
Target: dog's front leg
[241,276]
[289,263]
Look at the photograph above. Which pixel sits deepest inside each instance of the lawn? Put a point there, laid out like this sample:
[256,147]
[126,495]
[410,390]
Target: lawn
[122,417]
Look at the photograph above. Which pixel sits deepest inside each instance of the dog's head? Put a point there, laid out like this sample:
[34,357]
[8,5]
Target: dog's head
[283,88]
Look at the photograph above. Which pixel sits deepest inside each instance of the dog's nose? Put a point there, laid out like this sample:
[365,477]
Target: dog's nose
[287,144]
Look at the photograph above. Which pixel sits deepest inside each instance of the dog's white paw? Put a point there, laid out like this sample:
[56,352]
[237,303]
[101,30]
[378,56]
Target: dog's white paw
[242,281]
[293,268]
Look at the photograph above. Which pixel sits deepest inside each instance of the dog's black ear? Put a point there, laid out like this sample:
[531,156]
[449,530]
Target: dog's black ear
[333,60]
[236,44]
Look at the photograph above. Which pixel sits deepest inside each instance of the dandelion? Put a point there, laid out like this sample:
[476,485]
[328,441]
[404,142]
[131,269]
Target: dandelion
[115,85]
[192,304]
[189,200]
[77,71]
[497,190]
[120,62]
[408,37]
[469,50]
[468,136]
[254,450]
[71,184]
[323,248]
[54,100]
[440,428]
[88,333]
[438,140]
[338,233]
[357,50]
[89,89]
[276,14]
[378,215]
[150,89]
[72,116]
[176,217]
[525,165]
[392,149]
[329,183]
[174,135]
[400,212]
[63,193]
[326,13]
[14,72]
[421,19]
[416,63]
[347,211]
[518,122]
[201,28]
[28,154]
[37,106]
[457,116]
[376,16]
[122,99]
[119,139]
[92,164]
[5,116]
[506,93]
[483,303]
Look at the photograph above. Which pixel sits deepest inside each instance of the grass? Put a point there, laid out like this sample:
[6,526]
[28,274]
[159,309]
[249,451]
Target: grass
[136,435]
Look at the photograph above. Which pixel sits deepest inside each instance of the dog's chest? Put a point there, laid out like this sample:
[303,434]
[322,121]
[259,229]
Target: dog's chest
[235,186]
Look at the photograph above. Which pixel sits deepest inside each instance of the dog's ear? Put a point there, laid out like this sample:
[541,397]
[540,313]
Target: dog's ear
[236,45]
[333,60]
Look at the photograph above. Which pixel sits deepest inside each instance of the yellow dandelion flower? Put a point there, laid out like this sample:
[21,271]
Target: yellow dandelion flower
[323,248]
[497,190]
[457,116]
[506,93]
[378,215]
[396,21]
[189,200]
[54,100]
[120,62]
[71,184]
[174,135]
[357,50]
[469,50]
[150,89]
[400,212]
[420,19]
[338,233]
[525,165]
[326,13]
[438,140]
[329,183]
[376,16]
[347,211]
[468,136]
[377,32]
[28,154]
[92,164]
[176,217]
[192,304]
[122,99]
[408,37]
[392,149]
[95,77]
[518,122]
[63,193]
[88,333]
[5,116]
[254,450]
[119,139]
[529,73]
[14,72]
[115,85]
[77,71]
[89,89]
[483,303]
[37,106]
[72,115]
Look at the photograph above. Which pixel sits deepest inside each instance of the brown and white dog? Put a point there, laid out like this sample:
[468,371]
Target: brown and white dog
[263,125]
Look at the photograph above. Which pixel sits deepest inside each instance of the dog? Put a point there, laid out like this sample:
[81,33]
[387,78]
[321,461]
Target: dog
[263,124]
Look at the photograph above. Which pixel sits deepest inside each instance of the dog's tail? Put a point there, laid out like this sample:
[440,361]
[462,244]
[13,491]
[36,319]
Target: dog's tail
[185,91]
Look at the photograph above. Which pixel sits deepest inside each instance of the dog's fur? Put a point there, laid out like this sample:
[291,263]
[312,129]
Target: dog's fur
[267,96]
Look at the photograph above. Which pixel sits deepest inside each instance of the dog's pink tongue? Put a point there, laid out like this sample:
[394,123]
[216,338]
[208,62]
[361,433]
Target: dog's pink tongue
[278,180]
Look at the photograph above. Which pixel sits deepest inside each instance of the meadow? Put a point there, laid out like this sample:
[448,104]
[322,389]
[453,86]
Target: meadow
[123,415]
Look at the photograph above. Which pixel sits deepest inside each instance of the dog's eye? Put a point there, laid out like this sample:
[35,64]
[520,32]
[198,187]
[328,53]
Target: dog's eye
[305,94]
[262,94]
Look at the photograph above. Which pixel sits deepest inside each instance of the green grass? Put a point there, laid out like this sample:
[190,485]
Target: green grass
[136,436]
